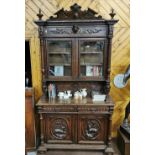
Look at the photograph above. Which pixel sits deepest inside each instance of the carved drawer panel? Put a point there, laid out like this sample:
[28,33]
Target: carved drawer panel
[56,108]
[95,109]
[74,31]
[59,128]
[92,129]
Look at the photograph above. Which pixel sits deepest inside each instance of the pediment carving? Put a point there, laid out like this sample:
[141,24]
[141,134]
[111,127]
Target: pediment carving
[75,12]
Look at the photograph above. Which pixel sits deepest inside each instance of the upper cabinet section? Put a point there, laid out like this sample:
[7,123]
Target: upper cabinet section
[76,45]
[75,23]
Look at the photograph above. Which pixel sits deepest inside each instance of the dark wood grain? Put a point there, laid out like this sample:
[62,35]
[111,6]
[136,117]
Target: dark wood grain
[76,122]
[30,135]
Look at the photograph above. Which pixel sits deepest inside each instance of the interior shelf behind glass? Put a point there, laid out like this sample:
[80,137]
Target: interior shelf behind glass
[91,58]
[59,58]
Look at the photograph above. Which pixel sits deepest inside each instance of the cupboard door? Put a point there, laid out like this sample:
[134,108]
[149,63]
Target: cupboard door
[92,129]
[59,58]
[92,62]
[59,128]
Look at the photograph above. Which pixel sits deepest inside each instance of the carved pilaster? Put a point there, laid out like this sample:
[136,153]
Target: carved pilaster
[42,149]
[40,31]
[42,128]
[109,136]
[42,65]
[110,34]
[109,150]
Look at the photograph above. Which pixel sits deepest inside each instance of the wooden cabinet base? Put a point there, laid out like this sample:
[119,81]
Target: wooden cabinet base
[123,143]
[75,147]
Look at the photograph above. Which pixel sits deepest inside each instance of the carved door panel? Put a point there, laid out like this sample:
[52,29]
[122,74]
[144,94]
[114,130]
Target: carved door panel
[59,129]
[92,129]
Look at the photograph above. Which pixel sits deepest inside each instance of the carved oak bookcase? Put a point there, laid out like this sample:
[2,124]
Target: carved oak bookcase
[75,53]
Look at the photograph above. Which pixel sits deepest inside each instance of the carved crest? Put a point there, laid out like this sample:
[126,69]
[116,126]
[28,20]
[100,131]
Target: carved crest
[75,13]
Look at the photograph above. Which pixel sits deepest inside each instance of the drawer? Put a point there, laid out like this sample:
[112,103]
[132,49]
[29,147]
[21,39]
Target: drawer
[93,109]
[56,108]
[75,31]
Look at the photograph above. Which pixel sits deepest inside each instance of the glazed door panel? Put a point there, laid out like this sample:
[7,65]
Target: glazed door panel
[92,129]
[59,128]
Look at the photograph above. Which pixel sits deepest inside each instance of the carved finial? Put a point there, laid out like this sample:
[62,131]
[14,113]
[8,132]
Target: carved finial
[112,14]
[76,9]
[40,15]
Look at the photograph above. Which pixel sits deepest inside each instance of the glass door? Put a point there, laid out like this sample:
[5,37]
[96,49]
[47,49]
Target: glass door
[91,58]
[59,58]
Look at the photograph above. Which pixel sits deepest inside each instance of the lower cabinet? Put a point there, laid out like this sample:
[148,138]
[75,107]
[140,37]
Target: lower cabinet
[75,126]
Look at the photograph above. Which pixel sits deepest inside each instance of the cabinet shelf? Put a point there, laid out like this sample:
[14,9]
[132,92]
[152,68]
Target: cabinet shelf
[59,53]
[70,79]
[90,52]
[91,64]
[62,64]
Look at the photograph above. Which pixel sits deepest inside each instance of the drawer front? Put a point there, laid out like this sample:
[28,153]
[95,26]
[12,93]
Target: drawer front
[75,31]
[92,129]
[59,128]
[93,109]
[56,109]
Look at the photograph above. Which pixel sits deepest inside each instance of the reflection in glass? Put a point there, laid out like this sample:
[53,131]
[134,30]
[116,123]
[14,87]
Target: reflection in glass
[59,58]
[91,58]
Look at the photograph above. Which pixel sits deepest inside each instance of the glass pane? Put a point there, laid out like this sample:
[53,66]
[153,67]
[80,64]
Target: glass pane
[59,58]
[91,58]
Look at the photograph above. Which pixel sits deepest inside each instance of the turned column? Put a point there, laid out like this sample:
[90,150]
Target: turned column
[108,59]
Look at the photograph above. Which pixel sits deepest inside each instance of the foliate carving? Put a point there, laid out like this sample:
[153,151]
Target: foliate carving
[110,31]
[61,31]
[75,13]
[90,31]
[76,30]
[40,30]
[93,109]
[91,129]
[57,109]
[59,128]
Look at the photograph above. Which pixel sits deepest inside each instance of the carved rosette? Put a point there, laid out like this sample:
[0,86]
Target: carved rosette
[59,128]
[91,129]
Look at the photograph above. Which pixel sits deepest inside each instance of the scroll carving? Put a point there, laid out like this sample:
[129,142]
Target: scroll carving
[77,31]
[75,13]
